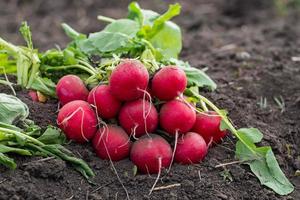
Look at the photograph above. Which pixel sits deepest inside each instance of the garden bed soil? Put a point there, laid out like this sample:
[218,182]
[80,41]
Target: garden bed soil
[248,55]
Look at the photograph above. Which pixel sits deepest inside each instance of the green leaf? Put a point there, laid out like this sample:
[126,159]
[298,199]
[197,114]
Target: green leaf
[252,133]
[262,163]
[52,135]
[44,85]
[8,162]
[26,33]
[224,126]
[159,22]
[7,149]
[12,109]
[198,78]
[123,26]
[71,33]
[168,40]
[104,42]
[269,174]
[135,13]
[164,35]
[7,66]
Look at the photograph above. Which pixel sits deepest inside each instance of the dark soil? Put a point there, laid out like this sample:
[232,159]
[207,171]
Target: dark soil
[247,50]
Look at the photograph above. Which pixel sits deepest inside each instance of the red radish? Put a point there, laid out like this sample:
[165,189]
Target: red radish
[33,95]
[111,142]
[151,153]
[177,116]
[208,126]
[70,88]
[107,106]
[129,80]
[77,120]
[37,96]
[191,148]
[168,83]
[138,117]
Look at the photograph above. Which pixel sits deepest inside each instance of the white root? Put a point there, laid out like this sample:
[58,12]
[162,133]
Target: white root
[116,172]
[158,175]
[174,150]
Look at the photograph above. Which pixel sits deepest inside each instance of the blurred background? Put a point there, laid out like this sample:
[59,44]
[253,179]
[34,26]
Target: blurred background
[45,17]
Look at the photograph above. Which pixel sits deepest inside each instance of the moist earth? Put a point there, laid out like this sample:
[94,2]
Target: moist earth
[245,47]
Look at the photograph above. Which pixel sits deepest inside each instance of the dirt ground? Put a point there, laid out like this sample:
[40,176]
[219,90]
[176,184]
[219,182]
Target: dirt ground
[247,50]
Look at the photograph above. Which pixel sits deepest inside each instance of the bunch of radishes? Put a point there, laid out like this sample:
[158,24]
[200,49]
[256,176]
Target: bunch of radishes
[129,98]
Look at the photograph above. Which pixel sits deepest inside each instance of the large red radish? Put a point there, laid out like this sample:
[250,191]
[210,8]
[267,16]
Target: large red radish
[107,106]
[138,117]
[191,148]
[78,121]
[177,116]
[111,142]
[168,83]
[70,88]
[129,80]
[151,153]
[208,126]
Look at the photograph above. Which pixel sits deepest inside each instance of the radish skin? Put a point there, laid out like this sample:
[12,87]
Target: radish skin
[138,118]
[78,121]
[191,149]
[177,116]
[168,83]
[70,88]
[208,126]
[128,80]
[111,142]
[107,106]
[148,150]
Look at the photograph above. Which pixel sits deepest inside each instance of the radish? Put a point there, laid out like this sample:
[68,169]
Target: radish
[33,95]
[191,148]
[138,117]
[177,116]
[77,120]
[168,83]
[129,80]
[151,153]
[111,142]
[208,126]
[70,88]
[107,106]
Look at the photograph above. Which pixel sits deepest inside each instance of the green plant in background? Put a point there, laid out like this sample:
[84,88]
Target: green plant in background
[282,6]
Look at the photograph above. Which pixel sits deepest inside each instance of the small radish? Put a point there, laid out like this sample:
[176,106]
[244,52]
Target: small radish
[107,106]
[70,88]
[168,83]
[208,126]
[33,95]
[177,116]
[151,153]
[37,96]
[191,148]
[111,142]
[77,120]
[129,80]
[138,117]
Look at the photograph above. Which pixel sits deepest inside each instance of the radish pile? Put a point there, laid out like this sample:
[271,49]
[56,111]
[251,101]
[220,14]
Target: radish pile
[132,115]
